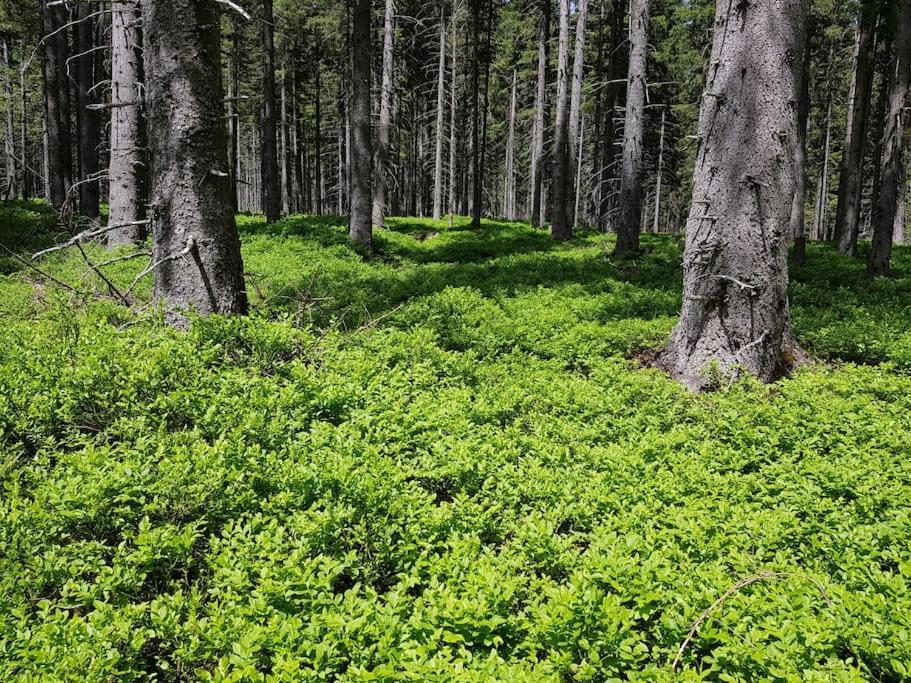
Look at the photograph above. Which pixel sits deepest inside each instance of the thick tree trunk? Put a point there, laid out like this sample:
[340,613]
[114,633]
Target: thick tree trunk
[441,104]
[560,228]
[735,300]
[88,119]
[359,224]
[270,180]
[233,116]
[631,169]
[850,184]
[126,170]
[509,193]
[539,130]
[607,163]
[66,112]
[196,250]
[52,18]
[385,121]
[575,100]
[894,167]
[798,217]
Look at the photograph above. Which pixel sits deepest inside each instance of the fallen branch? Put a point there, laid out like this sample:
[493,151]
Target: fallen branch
[86,235]
[191,244]
[32,266]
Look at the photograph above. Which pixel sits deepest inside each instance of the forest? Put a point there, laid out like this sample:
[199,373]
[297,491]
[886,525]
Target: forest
[455,340]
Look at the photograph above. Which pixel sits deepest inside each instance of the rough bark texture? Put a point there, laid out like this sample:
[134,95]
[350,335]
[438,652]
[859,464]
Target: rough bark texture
[575,100]
[631,169]
[195,246]
[441,104]
[9,153]
[798,217]
[476,115]
[385,122]
[88,118]
[539,130]
[850,183]
[56,174]
[453,114]
[359,224]
[509,192]
[894,167]
[270,181]
[126,168]
[735,301]
[560,229]
[660,169]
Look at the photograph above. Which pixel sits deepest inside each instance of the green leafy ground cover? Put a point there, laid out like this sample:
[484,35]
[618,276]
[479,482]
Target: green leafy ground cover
[444,465]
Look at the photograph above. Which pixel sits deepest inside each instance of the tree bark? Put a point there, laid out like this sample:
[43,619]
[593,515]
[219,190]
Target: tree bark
[607,163]
[126,170]
[735,300]
[441,104]
[631,169]
[820,228]
[509,193]
[655,220]
[23,132]
[894,166]
[539,130]
[9,145]
[52,20]
[359,226]
[476,115]
[560,228]
[575,100]
[798,217]
[850,184]
[270,179]
[89,198]
[233,115]
[453,117]
[196,250]
[318,137]
[385,121]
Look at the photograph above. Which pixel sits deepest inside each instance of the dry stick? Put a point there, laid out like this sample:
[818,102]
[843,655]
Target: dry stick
[86,235]
[191,244]
[97,271]
[38,270]
[743,583]
[127,257]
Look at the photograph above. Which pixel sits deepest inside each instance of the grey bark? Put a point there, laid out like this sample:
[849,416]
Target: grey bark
[52,20]
[9,145]
[359,225]
[539,126]
[88,118]
[655,220]
[631,167]
[318,138]
[798,214]
[850,184]
[196,250]
[575,100]
[453,114]
[735,300]
[23,132]
[441,104]
[509,194]
[820,229]
[126,169]
[233,116]
[270,180]
[560,228]
[894,167]
[385,121]
[476,115]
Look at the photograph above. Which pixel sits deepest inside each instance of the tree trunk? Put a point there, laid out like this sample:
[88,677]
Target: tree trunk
[23,132]
[735,300]
[560,228]
[798,217]
[88,119]
[631,169]
[655,223]
[52,20]
[509,194]
[575,100]
[820,229]
[196,250]
[126,170]
[9,147]
[850,184]
[894,159]
[441,103]
[270,178]
[318,138]
[607,162]
[539,130]
[66,118]
[580,146]
[285,160]
[359,225]
[385,122]
[233,115]
[476,115]
[453,114]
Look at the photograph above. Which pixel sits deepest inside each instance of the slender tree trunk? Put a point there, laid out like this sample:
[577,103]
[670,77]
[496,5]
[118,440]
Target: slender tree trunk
[66,113]
[820,228]
[575,102]
[539,131]
[88,119]
[385,122]
[196,250]
[476,115]
[850,184]
[52,18]
[631,170]
[270,173]
[509,194]
[318,138]
[894,170]
[559,227]
[233,115]
[798,217]
[615,72]
[453,117]
[578,156]
[655,223]
[9,145]
[485,107]
[126,170]
[27,187]
[285,147]
[359,225]
[735,282]
[441,104]
[878,134]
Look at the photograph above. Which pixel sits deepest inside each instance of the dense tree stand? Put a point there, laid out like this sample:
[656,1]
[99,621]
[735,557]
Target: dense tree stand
[735,298]
[196,250]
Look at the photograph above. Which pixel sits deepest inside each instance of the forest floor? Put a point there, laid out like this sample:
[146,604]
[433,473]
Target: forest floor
[443,464]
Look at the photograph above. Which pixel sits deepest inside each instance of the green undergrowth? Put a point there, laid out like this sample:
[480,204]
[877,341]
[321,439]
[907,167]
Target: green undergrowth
[443,464]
